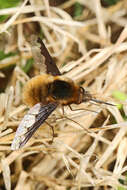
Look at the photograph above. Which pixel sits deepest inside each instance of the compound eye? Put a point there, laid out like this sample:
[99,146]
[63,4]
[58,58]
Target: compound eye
[82,90]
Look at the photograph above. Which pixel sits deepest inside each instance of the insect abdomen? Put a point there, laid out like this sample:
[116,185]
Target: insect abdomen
[35,90]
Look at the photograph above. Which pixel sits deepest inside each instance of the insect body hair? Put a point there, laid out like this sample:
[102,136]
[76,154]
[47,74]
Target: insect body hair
[35,90]
[46,88]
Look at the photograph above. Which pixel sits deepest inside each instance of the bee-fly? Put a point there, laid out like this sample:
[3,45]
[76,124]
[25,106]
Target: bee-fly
[43,93]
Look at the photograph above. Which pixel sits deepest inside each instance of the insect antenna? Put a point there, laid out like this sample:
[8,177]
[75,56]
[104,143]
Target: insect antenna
[88,97]
[101,102]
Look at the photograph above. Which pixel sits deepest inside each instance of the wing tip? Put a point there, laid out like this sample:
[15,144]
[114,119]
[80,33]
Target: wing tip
[16,143]
[14,146]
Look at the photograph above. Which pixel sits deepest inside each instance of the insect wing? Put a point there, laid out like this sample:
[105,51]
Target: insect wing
[42,57]
[37,56]
[31,122]
[50,64]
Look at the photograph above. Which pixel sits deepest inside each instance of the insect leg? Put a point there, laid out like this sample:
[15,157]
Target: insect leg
[82,109]
[53,134]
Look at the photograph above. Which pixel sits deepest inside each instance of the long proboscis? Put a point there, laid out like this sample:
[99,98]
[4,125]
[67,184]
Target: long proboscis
[101,102]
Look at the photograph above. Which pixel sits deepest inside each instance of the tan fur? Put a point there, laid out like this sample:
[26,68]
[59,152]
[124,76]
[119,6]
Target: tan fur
[38,86]
[32,89]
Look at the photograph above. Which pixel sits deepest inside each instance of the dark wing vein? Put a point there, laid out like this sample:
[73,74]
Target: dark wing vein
[31,122]
[43,114]
[50,64]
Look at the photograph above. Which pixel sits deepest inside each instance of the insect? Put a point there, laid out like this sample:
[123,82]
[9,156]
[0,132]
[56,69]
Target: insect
[43,93]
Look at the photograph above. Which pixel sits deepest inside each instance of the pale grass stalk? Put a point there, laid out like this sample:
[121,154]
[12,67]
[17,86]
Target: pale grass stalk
[116,113]
[73,64]
[92,64]
[20,72]
[9,61]
[95,62]
[11,157]
[17,97]
[85,174]
[6,132]
[8,107]
[111,147]
[12,123]
[65,160]
[51,25]
[46,2]
[101,25]
[5,147]
[29,153]
[99,137]
[121,157]
[99,71]
[95,38]
[2,75]
[91,132]
[115,126]
[22,180]
[14,112]
[26,9]
[3,102]
[13,18]
[67,4]
[6,174]
[90,151]
[45,29]
[69,148]
[58,36]
[21,38]
[122,37]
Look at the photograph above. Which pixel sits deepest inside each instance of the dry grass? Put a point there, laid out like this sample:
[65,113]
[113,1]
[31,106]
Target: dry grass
[95,52]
